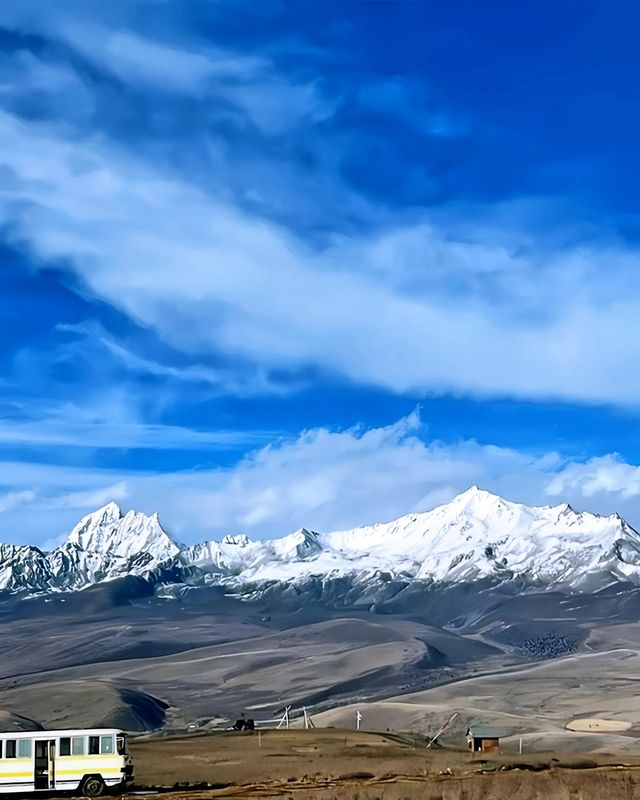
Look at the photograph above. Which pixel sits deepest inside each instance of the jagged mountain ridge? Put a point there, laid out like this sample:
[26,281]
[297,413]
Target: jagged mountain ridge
[105,545]
[476,536]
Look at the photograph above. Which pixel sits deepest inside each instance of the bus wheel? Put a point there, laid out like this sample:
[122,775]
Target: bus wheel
[93,786]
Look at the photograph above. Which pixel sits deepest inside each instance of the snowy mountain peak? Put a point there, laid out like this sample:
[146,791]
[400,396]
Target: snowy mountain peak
[481,535]
[302,544]
[110,531]
[474,491]
[479,499]
[478,535]
[87,532]
[235,539]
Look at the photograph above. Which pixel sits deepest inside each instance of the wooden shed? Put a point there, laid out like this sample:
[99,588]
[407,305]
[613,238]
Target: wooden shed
[484,738]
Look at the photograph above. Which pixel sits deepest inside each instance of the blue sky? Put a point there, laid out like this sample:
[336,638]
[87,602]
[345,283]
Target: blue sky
[276,264]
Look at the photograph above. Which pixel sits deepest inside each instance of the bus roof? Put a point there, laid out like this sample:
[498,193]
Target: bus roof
[54,734]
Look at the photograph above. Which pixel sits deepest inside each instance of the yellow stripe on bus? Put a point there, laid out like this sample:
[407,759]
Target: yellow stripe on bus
[101,757]
[81,773]
[112,771]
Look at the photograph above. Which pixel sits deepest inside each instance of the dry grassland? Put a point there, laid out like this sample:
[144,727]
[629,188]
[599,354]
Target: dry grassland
[326,764]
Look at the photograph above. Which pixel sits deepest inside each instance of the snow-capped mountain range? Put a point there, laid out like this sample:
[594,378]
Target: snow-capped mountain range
[477,535]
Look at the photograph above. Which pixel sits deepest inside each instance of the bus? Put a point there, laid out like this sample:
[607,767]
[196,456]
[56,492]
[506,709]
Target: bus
[87,761]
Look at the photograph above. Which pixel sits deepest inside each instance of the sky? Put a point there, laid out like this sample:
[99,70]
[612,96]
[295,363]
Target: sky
[316,263]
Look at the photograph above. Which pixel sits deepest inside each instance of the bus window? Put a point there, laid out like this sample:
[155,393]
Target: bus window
[10,750]
[1,744]
[94,745]
[77,745]
[65,746]
[106,744]
[24,748]
[121,742]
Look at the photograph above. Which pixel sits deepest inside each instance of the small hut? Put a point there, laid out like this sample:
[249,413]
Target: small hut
[484,738]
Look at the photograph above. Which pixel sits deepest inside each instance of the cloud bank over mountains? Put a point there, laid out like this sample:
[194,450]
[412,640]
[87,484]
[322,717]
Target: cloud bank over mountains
[323,479]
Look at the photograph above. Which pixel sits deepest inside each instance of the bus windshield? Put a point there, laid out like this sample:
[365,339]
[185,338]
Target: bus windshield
[121,743]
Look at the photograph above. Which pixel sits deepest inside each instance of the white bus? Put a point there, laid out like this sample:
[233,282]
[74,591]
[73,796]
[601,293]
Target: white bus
[85,761]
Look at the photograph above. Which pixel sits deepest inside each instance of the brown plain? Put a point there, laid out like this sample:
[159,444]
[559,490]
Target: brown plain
[328,763]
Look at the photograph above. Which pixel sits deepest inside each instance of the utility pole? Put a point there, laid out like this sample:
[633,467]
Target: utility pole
[442,729]
[284,720]
[308,722]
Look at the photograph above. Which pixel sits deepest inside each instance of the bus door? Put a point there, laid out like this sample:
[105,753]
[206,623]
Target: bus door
[44,764]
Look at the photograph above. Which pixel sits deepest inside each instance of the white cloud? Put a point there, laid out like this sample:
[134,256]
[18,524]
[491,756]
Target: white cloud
[14,499]
[91,499]
[134,58]
[248,84]
[93,342]
[604,475]
[113,423]
[212,278]
[415,307]
[329,479]
[322,479]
